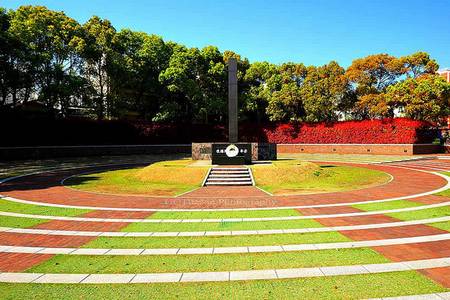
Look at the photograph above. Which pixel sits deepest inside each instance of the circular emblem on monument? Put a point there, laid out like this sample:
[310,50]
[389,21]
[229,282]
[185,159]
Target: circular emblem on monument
[231,150]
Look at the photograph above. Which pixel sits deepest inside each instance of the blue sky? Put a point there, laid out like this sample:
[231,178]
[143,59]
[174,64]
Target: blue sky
[312,32]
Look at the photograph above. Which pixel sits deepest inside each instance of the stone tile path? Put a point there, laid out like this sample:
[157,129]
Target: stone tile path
[226,276]
[410,245]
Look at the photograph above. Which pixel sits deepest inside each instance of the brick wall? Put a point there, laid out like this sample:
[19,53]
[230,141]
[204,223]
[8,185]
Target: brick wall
[381,149]
[10,153]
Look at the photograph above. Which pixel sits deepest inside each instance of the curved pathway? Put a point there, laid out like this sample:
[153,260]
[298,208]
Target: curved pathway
[97,218]
[224,250]
[410,245]
[46,188]
[87,229]
[226,275]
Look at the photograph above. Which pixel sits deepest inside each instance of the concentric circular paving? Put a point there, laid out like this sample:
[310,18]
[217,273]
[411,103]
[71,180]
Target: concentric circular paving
[379,236]
[47,188]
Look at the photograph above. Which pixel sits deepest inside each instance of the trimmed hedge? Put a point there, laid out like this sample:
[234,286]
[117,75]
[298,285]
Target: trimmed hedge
[387,131]
[45,132]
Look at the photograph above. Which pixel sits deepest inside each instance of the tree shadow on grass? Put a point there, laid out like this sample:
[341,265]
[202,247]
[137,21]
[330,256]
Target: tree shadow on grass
[80,180]
[54,178]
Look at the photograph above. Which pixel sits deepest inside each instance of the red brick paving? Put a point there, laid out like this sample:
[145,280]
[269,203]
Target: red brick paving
[46,188]
[81,226]
[345,221]
[430,199]
[96,226]
[358,220]
[440,275]
[327,210]
[231,191]
[392,232]
[416,251]
[117,214]
[17,262]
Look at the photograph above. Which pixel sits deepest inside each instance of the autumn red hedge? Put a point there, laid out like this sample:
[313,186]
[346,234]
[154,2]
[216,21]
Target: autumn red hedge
[387,131]
[32,132]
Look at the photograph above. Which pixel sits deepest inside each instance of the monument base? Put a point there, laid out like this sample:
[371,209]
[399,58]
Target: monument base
[258,151]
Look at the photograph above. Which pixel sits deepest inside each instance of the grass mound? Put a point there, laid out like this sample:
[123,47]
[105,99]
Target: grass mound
[298,177]
[166,178]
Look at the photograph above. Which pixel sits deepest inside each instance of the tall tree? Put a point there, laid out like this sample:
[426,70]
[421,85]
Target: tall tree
[423,98]
[140,60]
[325,92]
[418,64]
[212,79]
[181,80]
[54,42]
[371,76]
[286,101]
[261,78]
[98,53]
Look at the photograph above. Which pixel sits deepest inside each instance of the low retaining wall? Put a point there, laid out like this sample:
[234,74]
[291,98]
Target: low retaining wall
[260,151]
[382,149]
[10,153]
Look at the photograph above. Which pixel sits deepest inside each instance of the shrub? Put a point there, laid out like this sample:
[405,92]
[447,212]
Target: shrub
[386,131]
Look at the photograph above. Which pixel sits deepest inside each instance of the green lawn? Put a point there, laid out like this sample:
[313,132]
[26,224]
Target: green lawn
[220,226]
[285,177]
[422,214]
[207,263]
[410,215]
[15,222]
[445,193]
[336,287]
[387,205]
[165,178]
[441,225]
[10,206]
[216,241]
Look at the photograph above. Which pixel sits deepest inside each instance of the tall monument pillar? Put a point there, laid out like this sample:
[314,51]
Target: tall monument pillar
[232,101]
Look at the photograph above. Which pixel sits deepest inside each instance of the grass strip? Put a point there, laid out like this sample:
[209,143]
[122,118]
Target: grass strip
[225,214]
[336,287]
[220,226]
[386,205]
[441,225]
[445,193]
[422,214]
[16,207]
[207,263]
[216,241]
[15,222]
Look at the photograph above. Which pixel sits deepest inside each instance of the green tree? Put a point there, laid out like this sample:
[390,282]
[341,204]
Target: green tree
[138,63]
[286,104]
[180,78]
[418,64]
[371,76]
[98,54]
[423,98]
[325,92]
[212,77]
[261,78]
[54,42]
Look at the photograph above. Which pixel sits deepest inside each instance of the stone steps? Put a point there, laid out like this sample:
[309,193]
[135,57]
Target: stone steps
[229,177]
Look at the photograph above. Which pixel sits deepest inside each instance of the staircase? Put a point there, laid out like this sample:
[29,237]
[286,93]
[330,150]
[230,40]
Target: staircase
[229,177]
